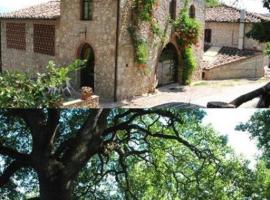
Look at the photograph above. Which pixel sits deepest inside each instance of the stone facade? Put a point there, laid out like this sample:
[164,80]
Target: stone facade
[227,34]
[252,67]
[25,60]
[101,34]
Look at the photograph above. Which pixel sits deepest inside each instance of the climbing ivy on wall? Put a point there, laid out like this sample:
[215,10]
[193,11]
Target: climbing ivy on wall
[143,13]
[187,32]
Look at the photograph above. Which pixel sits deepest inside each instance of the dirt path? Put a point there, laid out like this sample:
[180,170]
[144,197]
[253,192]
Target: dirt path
[200,94]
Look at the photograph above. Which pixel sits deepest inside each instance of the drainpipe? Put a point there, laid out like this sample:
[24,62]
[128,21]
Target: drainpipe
[242,29]
[116,51]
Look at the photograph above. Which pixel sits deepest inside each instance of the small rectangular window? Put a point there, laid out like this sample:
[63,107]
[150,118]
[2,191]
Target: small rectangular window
[173,6]
[208,36]
[44,39]
[86,9]
[16,36]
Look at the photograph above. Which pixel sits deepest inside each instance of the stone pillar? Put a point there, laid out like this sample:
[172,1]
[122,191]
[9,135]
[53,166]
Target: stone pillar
[242,30]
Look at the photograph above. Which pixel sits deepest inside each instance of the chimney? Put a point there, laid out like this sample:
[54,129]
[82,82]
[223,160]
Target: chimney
[242,29]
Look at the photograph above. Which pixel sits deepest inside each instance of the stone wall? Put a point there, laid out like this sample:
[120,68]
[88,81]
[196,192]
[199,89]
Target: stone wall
[25,60]
[92,102]
[100,33]
[249,68]
[227,34]
[133,81]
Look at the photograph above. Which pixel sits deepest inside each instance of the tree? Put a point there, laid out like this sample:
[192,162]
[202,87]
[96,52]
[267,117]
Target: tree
[259,128]
[115,154]
[20,90]
[261,31]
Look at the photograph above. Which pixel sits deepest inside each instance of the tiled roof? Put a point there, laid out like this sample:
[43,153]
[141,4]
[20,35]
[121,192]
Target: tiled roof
[48,10]
[228,55]
[224,13]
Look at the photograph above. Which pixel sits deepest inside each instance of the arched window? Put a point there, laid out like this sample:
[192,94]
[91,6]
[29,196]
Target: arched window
[173,6]
[192,12]
[86,9]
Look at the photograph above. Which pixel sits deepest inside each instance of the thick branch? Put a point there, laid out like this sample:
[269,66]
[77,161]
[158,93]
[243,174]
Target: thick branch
[8,173]
[86,144]
[12,153]
[249,96]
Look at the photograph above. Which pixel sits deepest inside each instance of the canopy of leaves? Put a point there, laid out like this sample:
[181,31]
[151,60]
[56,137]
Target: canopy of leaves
[259,128]
[166,154]
[261,31]
[19,90]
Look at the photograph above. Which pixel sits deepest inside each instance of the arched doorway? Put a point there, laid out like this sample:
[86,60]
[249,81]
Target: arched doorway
[87,73]
[167,66]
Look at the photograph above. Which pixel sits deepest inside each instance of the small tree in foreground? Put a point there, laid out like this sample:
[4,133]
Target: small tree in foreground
[20,90]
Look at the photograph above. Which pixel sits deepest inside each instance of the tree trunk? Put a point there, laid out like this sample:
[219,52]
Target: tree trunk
[55,188]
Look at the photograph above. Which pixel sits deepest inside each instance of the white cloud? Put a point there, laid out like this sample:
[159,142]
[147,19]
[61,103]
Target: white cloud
[9,5]
[249,5]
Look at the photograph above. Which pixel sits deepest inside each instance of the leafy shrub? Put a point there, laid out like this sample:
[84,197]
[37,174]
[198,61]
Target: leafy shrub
[189,65]
[19,90]
[187,31]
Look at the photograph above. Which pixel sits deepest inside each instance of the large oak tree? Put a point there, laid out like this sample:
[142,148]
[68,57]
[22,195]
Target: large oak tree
[116,154]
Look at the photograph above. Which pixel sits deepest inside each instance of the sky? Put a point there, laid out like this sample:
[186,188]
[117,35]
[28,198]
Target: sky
[225,121]
[249,5]
[9,5]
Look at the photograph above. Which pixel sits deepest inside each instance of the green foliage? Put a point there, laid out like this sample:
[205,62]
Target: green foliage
[259,128]
[144,9]
[266,4]
[141,49]
[261,31]
[189,63]
[20,90]
[168,170]
[187,34]
[187,29]
[212,3]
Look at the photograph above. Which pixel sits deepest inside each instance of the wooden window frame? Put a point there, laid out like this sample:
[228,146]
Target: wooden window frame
[44,44]
[173,8]
[89,9]
[16,35]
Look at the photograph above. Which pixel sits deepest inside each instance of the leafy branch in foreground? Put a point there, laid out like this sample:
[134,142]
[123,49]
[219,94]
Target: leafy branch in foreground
[19,90]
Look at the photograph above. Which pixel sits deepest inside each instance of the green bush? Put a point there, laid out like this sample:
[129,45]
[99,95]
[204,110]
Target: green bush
[19,90]
[189,64]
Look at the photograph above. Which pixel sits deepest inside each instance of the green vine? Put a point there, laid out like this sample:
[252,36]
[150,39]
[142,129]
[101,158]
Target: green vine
[143,12]
[187,32]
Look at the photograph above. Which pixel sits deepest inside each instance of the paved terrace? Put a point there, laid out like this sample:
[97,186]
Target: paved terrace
[199,93]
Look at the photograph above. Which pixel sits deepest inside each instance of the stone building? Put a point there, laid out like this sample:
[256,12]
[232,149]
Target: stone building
[98,31]
[229,52]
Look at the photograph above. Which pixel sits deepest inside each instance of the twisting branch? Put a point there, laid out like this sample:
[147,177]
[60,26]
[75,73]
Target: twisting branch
[14,154]
[10,170]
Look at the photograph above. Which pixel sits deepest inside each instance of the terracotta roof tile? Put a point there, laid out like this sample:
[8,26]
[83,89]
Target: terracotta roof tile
[228,55]
[48,10]
[224,13]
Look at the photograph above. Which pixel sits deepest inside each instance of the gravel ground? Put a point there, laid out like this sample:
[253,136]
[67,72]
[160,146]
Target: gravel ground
[200,93]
